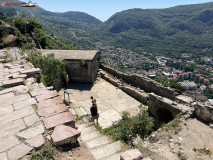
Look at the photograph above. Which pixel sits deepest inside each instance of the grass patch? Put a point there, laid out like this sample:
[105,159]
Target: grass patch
[80,120]
[174,125]
[45,153]
[181,156]
[35,107]
[203,151]
[2,88]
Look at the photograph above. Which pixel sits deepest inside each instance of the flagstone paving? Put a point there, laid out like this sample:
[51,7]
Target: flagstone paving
[111,101]
[22,112]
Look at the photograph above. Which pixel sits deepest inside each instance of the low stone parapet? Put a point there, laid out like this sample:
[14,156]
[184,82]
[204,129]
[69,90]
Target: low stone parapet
[133,92]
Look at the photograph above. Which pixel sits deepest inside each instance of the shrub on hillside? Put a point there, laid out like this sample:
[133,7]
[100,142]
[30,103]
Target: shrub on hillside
[51,68]
[129,128]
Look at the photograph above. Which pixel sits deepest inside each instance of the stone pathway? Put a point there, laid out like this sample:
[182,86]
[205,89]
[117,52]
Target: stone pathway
[111,101]
[101,147]
[27,110]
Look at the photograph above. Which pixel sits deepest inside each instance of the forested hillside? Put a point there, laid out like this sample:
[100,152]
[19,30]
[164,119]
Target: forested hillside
[171,31]
[14,33]
[161,31]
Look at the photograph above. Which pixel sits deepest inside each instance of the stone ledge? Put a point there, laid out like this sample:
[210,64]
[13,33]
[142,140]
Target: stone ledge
[13,82]
[62,118]
[63,134]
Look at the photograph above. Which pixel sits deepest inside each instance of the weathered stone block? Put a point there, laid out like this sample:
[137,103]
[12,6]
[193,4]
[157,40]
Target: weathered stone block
[62,118]
[15,115]
[38,92]
[12,128]
[8,142]
[63,134]
[36,142]
[13,82]
[133,154]
[32,132]
[19,151]
[31,119]
[50,102]
[24,104]
[6,110]
[30,72]
[53,110]
[3,156]
[19,76]
[51,94]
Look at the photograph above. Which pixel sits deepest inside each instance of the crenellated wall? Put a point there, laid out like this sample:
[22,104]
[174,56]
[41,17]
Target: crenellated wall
[143,83]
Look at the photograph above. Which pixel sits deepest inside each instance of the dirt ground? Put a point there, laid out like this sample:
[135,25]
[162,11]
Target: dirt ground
[80,152]
[194,135]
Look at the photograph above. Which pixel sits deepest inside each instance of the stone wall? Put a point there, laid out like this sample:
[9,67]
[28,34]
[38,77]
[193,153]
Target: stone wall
[79,73]
[157,103]
[133,92]
[143,83]
[160,98]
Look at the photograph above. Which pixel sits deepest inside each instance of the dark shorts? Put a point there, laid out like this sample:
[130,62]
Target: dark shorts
[94,117]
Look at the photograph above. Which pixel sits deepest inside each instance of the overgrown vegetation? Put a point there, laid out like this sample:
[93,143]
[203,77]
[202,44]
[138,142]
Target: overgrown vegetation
[129,128]
[181,156]
[45,153]
[14,32]
[2,88]
[174,125]
[51,68]
[84,64]
[25,40]
[170,83]
[204,151]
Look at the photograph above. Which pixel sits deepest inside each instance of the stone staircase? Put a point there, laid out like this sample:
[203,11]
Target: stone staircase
[101,147]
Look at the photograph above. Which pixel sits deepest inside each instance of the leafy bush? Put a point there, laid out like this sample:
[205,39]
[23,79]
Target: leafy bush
[51,68]
[129,128]
[181,156]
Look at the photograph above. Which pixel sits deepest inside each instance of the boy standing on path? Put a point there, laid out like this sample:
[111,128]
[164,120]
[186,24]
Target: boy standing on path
[94,111]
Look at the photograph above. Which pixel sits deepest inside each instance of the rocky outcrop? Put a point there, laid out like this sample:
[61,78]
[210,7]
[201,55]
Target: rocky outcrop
[204,112]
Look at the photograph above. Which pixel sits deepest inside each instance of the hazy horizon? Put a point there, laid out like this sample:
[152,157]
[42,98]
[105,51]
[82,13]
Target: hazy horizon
[103,10]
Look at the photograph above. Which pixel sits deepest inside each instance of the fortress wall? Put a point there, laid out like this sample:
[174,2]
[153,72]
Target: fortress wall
[137,94]
[143,83]
[159,97]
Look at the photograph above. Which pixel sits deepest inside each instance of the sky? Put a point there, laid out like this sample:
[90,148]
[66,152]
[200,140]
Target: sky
[104,9]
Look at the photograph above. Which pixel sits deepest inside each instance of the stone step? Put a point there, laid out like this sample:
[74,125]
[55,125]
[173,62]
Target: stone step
[80,111]
[83,111]
[73,111]
[87,130]
[113,157]
[83,126]
[97,142]
[107,150]
[90,136]
[13,82]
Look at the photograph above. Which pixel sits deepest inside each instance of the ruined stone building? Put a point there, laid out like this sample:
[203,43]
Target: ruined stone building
[82,64]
